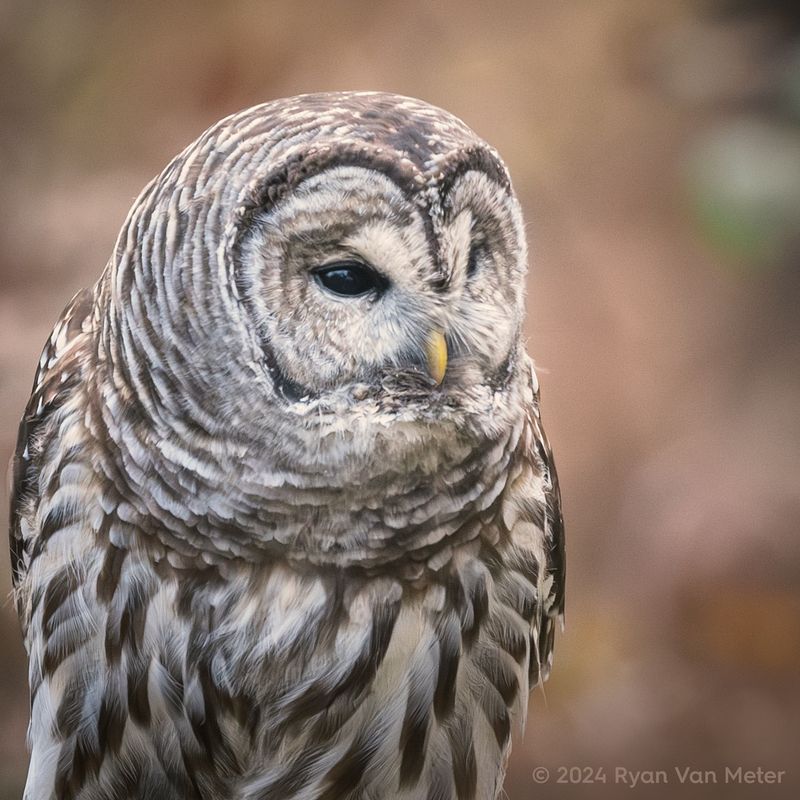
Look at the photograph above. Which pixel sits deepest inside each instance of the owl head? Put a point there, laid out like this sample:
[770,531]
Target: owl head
[329,273]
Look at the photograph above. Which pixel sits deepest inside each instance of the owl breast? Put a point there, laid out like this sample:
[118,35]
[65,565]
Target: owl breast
[276,679]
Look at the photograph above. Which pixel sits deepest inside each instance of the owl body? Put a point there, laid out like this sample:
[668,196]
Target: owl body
[285,523]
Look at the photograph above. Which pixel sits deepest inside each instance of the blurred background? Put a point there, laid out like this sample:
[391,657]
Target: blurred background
[656,150]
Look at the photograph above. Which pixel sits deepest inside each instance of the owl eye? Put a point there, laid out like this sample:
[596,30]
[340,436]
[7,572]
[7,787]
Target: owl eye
[472,261]
[349,279]
[477,253]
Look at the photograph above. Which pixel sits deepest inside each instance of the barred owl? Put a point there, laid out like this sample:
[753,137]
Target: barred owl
[284,522]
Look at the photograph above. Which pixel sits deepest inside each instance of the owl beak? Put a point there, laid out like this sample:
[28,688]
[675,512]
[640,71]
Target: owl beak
[436,353]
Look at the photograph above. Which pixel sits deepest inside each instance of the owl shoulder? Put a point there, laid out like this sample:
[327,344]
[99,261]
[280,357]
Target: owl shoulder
[60,372]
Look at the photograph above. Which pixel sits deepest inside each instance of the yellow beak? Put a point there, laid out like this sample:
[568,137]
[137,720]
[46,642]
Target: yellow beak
[436,353]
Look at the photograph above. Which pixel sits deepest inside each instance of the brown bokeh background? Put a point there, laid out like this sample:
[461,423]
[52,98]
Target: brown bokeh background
[656,149]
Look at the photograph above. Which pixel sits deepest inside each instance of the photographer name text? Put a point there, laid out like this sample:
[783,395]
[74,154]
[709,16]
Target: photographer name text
[684,775]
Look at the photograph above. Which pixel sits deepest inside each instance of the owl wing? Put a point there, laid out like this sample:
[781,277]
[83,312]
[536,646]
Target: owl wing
[81,603]
[57,375]
[547,567]
[552,611]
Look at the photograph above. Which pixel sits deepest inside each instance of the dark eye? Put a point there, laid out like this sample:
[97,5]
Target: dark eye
[477,252]
[349,279]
